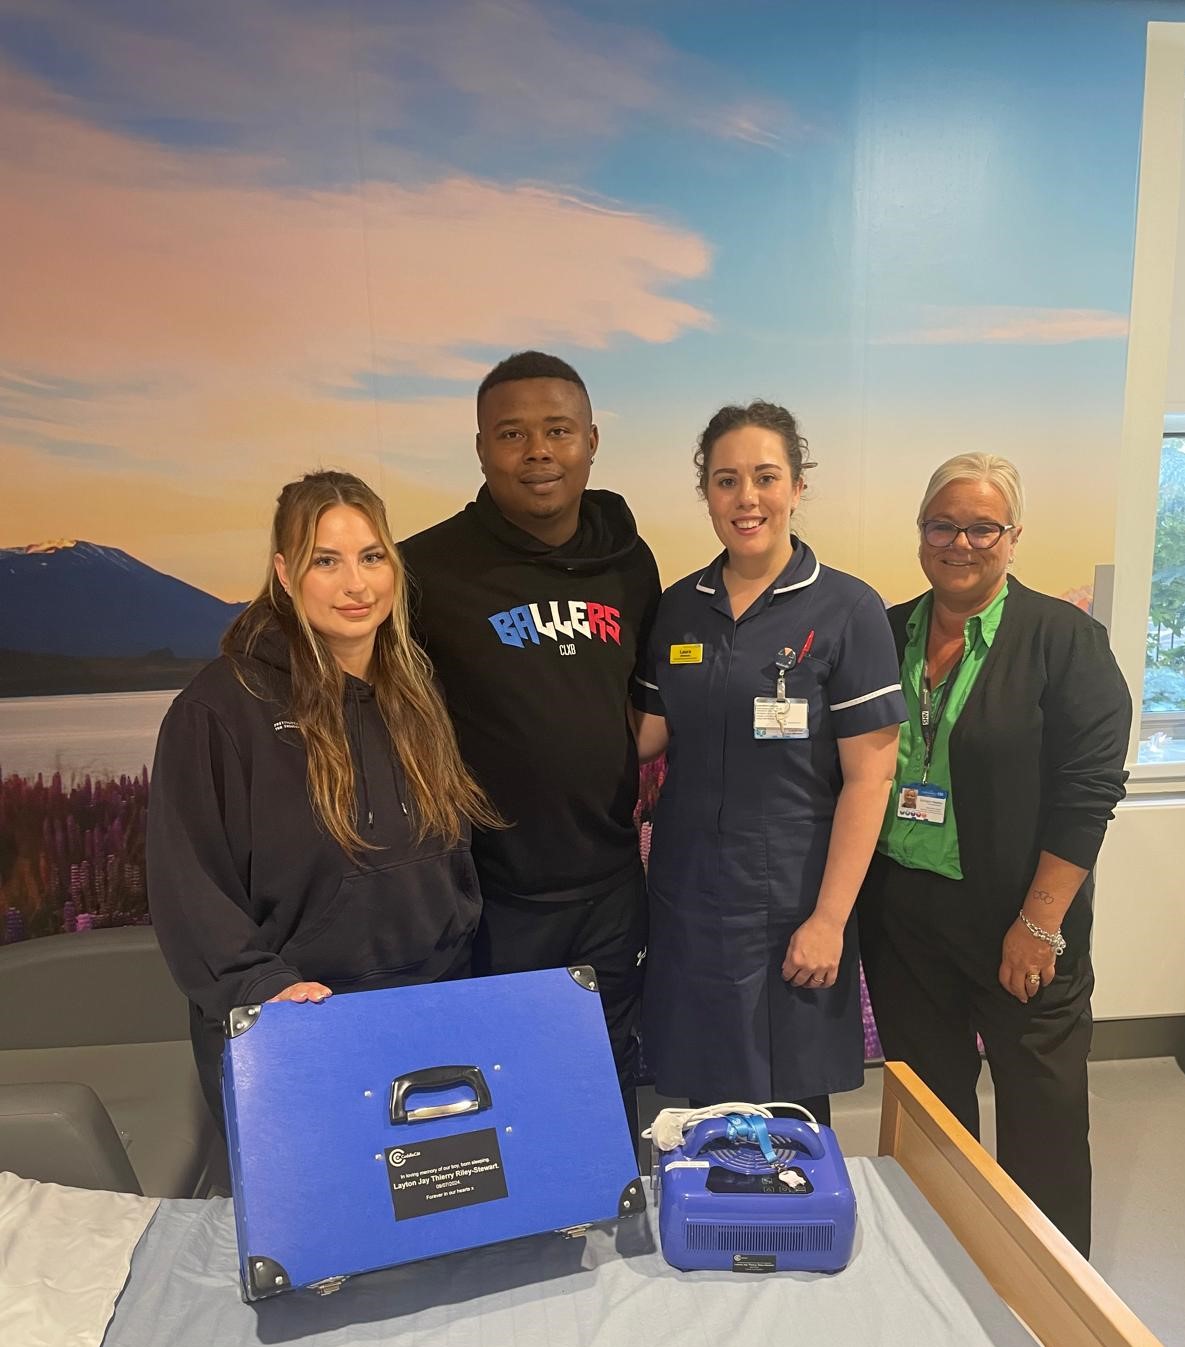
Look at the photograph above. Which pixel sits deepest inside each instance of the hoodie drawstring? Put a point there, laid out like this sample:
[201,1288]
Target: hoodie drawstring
[398,783]
[360,753]
[358,748]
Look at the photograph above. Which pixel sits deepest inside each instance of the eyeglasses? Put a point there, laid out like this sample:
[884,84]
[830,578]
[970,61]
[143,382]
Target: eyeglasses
[940,533]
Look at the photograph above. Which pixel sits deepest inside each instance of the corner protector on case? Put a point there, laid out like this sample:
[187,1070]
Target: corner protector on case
[584,977]
[265,1277]
[632,1201]
[240,1019]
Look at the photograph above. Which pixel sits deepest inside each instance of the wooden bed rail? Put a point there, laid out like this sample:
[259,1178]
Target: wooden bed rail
[1035,1270]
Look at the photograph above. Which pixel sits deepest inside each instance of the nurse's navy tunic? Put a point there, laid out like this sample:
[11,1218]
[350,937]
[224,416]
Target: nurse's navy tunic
[742,826]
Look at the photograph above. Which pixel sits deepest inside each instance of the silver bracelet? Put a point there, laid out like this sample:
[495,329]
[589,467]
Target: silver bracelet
[1054,938]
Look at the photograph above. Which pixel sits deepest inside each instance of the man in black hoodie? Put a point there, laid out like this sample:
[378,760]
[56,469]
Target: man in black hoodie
[533,604]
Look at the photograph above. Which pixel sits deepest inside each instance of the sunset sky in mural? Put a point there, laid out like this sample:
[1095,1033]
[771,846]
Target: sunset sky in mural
[242,240]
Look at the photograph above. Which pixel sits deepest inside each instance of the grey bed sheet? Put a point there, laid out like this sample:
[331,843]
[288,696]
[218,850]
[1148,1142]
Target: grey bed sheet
[909,1281]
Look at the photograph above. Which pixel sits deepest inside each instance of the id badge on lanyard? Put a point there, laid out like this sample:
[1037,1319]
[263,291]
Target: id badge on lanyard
[919,801]
[782,717]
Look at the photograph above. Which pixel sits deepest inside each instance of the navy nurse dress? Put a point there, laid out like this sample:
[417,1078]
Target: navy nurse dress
[742,826]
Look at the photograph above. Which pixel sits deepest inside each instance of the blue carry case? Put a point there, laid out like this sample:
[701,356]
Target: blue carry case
[383,1127]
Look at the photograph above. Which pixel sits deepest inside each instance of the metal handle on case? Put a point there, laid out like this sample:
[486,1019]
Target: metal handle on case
[438,1078]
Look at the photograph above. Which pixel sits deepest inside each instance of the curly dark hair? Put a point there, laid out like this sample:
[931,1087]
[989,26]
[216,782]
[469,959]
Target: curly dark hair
[767,415]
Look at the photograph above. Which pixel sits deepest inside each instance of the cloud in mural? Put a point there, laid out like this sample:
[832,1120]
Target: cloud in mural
[164,308]
[313,80]
[178,320]
[1008,325]
[161,261]
[545,69]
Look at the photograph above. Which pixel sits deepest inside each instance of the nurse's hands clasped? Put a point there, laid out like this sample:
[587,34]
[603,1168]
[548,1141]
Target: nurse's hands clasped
[812,957]
[304,991]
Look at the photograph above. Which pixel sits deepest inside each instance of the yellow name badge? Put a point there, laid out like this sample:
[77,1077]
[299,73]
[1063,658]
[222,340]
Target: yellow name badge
[687,654]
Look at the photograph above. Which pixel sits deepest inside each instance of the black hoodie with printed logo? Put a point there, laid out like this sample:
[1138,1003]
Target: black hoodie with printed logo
[535,647]
[248,891]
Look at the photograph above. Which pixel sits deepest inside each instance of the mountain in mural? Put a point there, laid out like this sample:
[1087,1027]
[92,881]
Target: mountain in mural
[77,598]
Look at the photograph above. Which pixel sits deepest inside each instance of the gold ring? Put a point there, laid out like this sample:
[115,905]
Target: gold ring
[1033,978]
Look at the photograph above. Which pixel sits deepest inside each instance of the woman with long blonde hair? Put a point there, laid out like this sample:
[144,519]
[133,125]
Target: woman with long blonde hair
[309,825]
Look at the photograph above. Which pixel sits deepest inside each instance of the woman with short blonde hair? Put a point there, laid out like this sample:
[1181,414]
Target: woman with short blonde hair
[975,915]
[996,471]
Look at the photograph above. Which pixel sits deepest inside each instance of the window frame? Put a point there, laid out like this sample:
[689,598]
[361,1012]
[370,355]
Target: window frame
[1158,211]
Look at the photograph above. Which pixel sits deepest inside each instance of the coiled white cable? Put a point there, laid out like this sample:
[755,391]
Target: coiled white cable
[672,1124]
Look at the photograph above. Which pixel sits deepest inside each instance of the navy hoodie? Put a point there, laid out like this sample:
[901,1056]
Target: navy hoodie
[536,646]
[248,891]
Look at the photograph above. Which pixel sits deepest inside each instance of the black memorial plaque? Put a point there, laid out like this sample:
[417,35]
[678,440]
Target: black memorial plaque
[442,1175]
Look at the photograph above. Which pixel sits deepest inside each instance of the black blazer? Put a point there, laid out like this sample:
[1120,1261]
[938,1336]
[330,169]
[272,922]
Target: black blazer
[1037,754]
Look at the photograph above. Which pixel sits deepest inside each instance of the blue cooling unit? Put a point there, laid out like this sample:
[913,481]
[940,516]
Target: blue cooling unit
[724,1205]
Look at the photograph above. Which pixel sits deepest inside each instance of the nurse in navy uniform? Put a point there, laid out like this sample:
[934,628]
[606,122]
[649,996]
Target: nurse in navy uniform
[772,683]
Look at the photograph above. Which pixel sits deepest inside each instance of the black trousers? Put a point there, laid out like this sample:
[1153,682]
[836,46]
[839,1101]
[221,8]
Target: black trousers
[931,956]
[608,933]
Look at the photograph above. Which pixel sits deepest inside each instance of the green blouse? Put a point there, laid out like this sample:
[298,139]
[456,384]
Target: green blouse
[933,846]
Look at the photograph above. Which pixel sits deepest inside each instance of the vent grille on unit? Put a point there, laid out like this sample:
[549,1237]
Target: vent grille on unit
[816,1237]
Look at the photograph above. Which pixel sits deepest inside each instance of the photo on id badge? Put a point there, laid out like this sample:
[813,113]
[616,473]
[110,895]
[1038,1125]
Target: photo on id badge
[921,803]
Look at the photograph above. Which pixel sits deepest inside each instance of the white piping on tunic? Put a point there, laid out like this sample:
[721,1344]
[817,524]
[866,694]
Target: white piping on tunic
[652,686]
[785,589]
[802,584]
[868,696]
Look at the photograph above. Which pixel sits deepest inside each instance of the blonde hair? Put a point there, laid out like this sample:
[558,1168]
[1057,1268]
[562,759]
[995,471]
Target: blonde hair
[444,797]
[991,468]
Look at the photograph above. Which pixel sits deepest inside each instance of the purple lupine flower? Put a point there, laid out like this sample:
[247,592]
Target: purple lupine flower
[872,1044]
[80,842]
[86,921]
[14,926]
[69,916]
[133,878]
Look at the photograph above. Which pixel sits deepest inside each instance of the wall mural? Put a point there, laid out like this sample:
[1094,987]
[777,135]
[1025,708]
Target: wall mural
[244,241]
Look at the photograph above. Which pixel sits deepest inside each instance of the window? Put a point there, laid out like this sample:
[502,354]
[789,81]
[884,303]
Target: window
[1162,737]
[1147,608]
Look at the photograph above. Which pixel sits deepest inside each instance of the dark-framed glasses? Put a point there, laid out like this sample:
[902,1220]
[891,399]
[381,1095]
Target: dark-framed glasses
[942,533]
